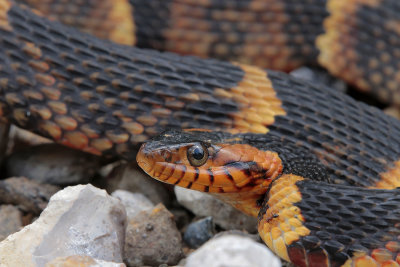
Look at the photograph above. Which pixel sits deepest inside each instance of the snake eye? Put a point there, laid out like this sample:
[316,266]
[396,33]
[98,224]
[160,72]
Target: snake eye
[197,155]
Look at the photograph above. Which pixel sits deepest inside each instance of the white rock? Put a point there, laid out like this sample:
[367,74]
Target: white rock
[82,261]
[78,220]
[233,251]
[133,202]
[203,204]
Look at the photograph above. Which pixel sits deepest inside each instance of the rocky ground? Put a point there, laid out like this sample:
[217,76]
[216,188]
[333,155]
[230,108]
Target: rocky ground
[61,207]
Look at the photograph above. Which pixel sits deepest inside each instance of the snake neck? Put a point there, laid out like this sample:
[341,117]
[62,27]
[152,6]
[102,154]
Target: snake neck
[308,167]
[295,160]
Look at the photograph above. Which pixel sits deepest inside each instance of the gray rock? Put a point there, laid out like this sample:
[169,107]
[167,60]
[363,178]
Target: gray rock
[10,220]
[4,129]
[131,178]
[199,232]
[224,215]
[153,239]
[233,251]
[133,202]
[81,261]
[320,76]
[28,195]
[80,220]
[53,164]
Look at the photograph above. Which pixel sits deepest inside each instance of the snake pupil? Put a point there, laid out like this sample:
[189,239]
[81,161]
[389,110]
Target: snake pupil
[197,155]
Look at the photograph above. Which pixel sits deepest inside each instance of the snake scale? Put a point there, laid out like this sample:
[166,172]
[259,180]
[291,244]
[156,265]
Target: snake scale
[319,169]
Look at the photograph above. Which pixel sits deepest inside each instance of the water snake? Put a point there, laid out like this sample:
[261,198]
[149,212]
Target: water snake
[106,99]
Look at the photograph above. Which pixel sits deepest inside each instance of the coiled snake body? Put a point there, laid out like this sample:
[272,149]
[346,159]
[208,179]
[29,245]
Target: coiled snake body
[318,168]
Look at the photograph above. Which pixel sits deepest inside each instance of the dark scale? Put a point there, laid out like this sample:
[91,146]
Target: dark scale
[310,15]
[235,49]
[151,19]
[237,30]
[378,38]
[347,228]
[295,159]
[354,141]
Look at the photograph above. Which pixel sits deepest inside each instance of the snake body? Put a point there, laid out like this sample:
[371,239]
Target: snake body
[356,40]
[106,99]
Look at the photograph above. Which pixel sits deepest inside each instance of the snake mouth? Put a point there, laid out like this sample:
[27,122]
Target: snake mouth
[146,161]
[159,161]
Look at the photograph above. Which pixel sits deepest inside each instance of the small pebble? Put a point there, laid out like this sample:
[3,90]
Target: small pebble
[131,178]
[28,195]
[224,215]
[10,220]
[52,164]
[199,232]
[233,251]
[133,202]
[152,238]
[81,220]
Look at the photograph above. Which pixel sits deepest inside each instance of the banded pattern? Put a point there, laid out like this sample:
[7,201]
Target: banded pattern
[321,224]
[104,98]
[265,33]
[356,40]
[359,144]
[362,45]
[106,19]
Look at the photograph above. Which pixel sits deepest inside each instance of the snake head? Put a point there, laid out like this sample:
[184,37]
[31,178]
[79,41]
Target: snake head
[212,162]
